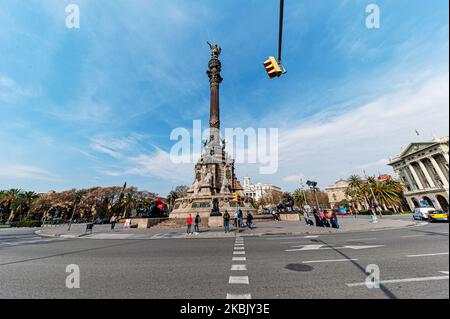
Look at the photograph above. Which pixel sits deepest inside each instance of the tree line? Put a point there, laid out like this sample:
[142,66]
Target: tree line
[85,204]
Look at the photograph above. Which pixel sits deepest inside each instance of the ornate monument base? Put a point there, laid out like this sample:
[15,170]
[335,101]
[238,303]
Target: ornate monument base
[211,193]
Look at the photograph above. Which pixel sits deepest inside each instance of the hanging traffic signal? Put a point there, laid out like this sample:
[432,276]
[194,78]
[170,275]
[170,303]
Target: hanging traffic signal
[235,197]
[272,67]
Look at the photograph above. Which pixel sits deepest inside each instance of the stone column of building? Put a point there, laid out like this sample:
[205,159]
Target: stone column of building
[446,157]
[427,175]
[410,182]
[416,177]
[439,171]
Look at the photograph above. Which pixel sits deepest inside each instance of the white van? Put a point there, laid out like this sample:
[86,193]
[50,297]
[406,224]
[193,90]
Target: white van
[421,213]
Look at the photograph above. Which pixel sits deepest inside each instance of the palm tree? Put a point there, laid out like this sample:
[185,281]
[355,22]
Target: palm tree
[357,190]
[299,196]
[10,200]
[28,200]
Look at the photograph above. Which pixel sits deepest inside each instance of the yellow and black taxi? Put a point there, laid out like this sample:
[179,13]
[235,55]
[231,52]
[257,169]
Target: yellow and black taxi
[438,215]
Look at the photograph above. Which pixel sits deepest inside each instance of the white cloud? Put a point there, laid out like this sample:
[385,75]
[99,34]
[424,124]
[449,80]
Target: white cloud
[160,165]
[10,91]
[25,172]
[328,147]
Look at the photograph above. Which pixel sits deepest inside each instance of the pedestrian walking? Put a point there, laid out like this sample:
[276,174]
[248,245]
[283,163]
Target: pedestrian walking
[317,218]
[240,218]
[197,224]
[334,220]
[189,224]
[226,221]
[249,220]
[306,218]
[113,221]
[236,218]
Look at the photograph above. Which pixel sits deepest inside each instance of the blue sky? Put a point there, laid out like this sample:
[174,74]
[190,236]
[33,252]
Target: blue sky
[96,105]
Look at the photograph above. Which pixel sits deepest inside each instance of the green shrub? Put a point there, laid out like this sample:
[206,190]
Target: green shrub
[27,223]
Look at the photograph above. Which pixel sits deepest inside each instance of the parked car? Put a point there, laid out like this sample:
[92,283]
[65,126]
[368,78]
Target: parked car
[421,213]
[437,215]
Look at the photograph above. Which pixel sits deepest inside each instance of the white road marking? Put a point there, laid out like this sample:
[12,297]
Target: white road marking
[360,239]
[239,244]
[238,252]
[315,236]
[307,247]
[363,247]
[239,267]
[412,236]
[239,248]
[238,280]
[323,247]
[243,296]
[238,259]
[328,261]
[393,281]
[444,272]
[426,255]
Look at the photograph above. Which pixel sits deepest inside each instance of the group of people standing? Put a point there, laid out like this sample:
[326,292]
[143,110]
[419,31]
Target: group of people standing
[196,221]
[322,218]
[238,221]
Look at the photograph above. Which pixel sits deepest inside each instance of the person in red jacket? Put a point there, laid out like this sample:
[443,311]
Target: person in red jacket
[189,224]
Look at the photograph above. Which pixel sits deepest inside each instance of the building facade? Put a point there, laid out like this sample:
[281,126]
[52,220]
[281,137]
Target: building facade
[257,191]
[423,169]
[337,193]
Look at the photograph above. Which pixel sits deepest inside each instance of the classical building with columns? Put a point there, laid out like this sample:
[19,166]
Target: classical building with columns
[423,169]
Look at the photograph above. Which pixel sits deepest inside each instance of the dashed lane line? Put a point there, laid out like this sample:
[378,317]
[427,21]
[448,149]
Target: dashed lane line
[239,267]
[242,296]
[238,280]
[238,259]
[428,255]
[393,281]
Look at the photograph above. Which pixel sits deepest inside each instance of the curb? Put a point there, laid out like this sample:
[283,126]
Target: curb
[86,235]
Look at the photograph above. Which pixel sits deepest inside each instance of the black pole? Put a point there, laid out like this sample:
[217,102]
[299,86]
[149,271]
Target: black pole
[280,35]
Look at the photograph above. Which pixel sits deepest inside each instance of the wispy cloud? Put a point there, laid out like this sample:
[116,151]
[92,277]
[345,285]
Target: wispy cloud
[11,92]
[26,172]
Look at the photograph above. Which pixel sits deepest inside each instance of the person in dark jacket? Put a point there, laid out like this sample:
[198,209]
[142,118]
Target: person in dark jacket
[197,224]
[317,218]
[226,221]
[249,220]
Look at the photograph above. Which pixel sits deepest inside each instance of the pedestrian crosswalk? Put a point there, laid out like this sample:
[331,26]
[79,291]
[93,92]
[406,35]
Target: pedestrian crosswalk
[14,241]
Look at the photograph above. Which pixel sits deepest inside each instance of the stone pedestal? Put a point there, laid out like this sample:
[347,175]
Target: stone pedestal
[290,217]
[215,221]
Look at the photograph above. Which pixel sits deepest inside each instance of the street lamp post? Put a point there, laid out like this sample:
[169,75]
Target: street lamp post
[304,192]
[313,185]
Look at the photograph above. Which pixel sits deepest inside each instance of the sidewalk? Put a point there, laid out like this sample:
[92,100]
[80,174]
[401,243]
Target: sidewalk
[348,224]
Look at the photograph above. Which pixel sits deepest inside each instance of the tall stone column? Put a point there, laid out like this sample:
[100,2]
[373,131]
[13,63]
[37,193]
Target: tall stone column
[405,172]
[439,171]
[214,69]
[427,175]
[416,177]
[446,157]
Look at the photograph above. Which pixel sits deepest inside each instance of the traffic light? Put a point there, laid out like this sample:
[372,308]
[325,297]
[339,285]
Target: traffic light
[235,196]
[272,67]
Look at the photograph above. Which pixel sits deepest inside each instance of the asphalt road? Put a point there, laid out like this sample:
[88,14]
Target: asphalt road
[412,263]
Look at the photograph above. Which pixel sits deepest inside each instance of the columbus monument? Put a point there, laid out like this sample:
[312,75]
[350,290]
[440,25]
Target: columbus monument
[215,179]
